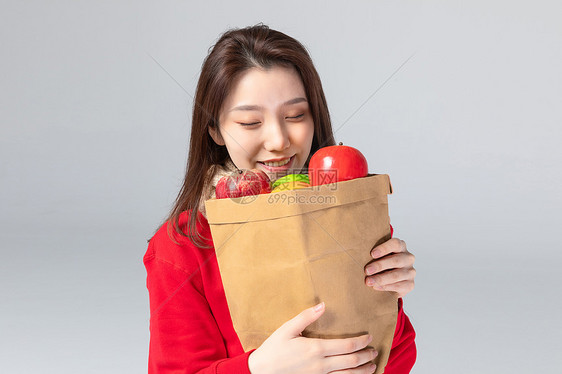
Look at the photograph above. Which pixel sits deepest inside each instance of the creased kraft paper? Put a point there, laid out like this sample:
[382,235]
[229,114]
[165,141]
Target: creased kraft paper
[279,255]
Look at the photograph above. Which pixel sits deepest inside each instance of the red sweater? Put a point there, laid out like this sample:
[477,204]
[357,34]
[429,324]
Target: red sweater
[191,330]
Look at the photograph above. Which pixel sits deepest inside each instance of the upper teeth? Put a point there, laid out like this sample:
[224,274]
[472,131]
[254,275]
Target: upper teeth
[277,163]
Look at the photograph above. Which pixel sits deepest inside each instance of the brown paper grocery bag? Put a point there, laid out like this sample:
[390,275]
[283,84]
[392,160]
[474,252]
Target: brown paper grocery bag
[283,252]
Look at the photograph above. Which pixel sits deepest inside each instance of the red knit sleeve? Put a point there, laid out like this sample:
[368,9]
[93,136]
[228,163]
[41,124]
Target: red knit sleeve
[403,352]
[184,336]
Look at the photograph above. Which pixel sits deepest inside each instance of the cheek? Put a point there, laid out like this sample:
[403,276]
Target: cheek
[242,145]
[303,135]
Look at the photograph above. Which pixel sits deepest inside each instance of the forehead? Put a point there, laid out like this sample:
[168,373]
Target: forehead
[266,88]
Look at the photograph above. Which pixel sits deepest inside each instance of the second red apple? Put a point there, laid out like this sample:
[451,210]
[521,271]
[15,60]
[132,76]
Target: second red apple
[243,183]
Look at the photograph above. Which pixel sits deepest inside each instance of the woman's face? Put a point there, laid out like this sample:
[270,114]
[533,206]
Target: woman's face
[265,122]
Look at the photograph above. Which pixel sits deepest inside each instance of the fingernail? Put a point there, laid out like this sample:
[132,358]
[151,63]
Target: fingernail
[319,307]
[372,367]
[376,253]
[370,339]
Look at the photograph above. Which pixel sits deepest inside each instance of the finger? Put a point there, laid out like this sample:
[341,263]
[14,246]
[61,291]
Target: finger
[334,347]
[392,261]
[393,245]
[391,276]
[358,361]
[295,326]
[368,368]
[401,288]
[363,369]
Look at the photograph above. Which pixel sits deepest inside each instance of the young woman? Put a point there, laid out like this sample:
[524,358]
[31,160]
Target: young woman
[259,104]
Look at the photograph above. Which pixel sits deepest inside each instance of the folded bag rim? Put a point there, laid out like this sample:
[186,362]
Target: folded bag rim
[235,210]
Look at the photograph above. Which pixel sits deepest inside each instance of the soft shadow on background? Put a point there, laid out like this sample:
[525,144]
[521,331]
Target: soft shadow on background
[95,119]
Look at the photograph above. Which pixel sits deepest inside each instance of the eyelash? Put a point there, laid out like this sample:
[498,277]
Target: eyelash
[255,123]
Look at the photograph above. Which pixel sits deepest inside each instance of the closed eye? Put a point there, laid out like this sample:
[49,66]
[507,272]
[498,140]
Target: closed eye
[256,123]
[295,117]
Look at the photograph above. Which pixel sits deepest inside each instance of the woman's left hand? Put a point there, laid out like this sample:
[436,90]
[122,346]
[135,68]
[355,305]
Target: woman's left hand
[392,269]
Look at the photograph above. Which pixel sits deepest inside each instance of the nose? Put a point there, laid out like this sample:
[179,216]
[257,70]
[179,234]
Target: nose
[276,136]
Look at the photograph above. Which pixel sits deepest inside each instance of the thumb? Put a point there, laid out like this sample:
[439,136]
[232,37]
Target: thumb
[295,326]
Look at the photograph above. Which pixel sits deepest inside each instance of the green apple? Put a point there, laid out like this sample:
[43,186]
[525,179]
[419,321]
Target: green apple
[291,178]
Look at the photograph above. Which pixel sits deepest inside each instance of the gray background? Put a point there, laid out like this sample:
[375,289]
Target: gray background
[95,118]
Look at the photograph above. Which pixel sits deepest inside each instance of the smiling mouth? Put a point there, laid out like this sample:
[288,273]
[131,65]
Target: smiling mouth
[277,163]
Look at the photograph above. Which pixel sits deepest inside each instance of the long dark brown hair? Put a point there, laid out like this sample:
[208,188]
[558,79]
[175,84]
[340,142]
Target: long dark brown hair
[236,51]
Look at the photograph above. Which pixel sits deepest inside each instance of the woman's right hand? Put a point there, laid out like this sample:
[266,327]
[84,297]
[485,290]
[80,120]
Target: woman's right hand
[287,351]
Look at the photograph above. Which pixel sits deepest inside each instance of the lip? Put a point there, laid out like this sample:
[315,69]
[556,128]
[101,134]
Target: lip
[276,159]
[274,169]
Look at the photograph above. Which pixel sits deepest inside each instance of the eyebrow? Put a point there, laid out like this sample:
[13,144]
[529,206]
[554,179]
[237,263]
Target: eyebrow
[257,107]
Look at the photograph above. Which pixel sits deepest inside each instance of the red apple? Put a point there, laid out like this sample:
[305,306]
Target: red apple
[243,183]
[336,163]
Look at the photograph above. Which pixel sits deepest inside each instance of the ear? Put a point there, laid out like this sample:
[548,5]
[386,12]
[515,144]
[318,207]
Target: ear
[215,134]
